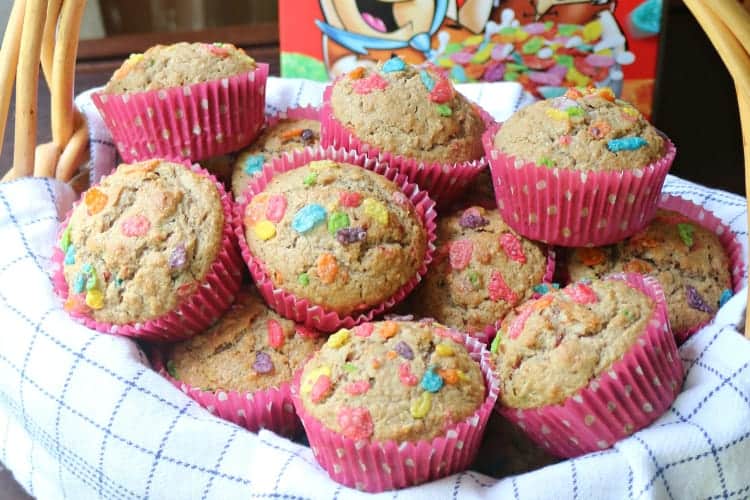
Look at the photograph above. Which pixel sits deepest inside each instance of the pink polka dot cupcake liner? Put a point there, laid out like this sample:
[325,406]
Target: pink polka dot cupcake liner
[443,180]
[488,334]
[302,310]
[376,466]
[699,215]
[206,304]
[575,208]
[270,409]
[193,122]
[630,395]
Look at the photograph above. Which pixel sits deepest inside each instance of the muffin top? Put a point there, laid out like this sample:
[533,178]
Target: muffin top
[482,270]
[249,349]
[141,241]
[166,66]
[551,347]
[589,130]
[414,113]
[392,380]
[688,261]
[336,234]
[284,136]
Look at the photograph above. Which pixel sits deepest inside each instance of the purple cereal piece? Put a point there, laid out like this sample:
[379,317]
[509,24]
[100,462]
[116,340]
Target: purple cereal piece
[600,61]
[462,57]
[349,235]
[501,51]
[403,350]
[535,28]
[472,220]
[545,78]
[263,363]
[559,70]
[494,73]
[177,259]
[695,300]
[561,40]
[307,135]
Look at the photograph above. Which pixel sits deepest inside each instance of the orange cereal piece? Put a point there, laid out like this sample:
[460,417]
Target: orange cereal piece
[327,268]
[637,266]
[357,73]
[290,134]
[474,71]
[450,376]
[376,363]
[599,129]
[388,329]
[573,93]
[592,256]
[95,201]
[391,355]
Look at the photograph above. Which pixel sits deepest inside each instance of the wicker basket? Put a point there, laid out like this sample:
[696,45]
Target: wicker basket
[46,32]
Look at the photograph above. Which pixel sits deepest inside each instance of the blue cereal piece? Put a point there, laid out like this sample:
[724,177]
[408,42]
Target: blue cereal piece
[308,217]
[431,381]
[79,283]
[626,144]
[427,80]
[458,74]
[254,164]
[70,256]
[725,296]
[394,64]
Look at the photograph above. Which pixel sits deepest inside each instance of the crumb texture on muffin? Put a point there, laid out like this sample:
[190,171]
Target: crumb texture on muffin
[141,241]
[391,380]
[249,349]
[166,66]
[554,346]
[336,234]
[481,271]
[582,131]
[283,137]
[687,259]
[409,112]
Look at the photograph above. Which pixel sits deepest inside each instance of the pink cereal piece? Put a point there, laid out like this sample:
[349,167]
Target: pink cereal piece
[565,140]
[512,247]
[364,330]
[501,51]
[357,388]
[600,61]
[367,85]
[581,293]
[355,423]
[400,198]
[320,389]
[351,199]
[499,289]
[275,334]
[515,327]
[460,253]
[534,28]
[546,78]
[217,50]
[276,208]
[137,225]
[406,376]
[462,57]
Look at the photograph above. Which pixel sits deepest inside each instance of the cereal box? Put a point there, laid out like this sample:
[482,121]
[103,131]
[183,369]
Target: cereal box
[546,45]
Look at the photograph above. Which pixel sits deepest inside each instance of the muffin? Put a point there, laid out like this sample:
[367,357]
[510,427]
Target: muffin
[187,100]
[394,384]
[326,239]
[245,361]
[285,135]
[565,360]
[148,252]
[413,117]
[688,260]
[577,170]
[482,269]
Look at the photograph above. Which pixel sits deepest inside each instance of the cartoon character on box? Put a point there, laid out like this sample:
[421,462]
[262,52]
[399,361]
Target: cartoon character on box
[570,42]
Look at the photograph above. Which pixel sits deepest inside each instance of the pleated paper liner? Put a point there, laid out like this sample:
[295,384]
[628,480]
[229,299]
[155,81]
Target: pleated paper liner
[193,122]
[211,298]
[635,391]
[443,180]
[374,466]
[303,310]
[574,208]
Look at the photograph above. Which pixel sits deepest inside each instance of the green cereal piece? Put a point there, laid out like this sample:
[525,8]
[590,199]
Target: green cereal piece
[565,59]
[510,76]
[303,279]
[171,369]
[515,68]
[294,65]
[444,110]
[568,29]
[574,111]
[452,48]
[547,162]
[310,179]
[474,278]
[686,234]
[507,31]
[350,368]
[496,341]
[533,45]
[65,239]
[336,221]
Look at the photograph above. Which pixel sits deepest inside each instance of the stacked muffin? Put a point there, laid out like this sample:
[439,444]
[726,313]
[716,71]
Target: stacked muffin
[335,238]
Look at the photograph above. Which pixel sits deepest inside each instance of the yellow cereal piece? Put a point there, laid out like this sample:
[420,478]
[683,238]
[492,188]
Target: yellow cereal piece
[445,62]
[339,338]
[313,375]
[135,58]
[95,299]
[483,55]
[557,114]
[604,52]
[474,40]
[421,406]
[631,111]
[462,376]
[375,210]
[521,36]
[592,31]
[444,350]
[264,230]
[577,78]
[322,164]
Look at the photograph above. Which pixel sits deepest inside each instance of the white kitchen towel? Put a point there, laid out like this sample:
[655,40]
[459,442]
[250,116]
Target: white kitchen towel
[83,416]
